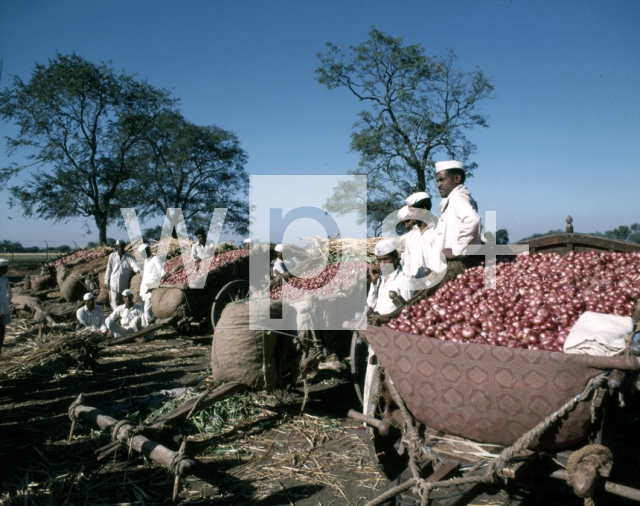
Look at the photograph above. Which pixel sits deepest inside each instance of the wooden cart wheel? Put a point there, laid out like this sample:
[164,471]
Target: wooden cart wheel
[359,356]
[383,450]
[231,292]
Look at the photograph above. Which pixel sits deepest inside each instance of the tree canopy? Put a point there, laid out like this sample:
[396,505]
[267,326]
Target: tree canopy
[419,107]
[81,124]
[194,168]
[625,233]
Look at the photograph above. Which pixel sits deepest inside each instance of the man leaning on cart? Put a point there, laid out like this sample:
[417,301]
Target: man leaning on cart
[459,224]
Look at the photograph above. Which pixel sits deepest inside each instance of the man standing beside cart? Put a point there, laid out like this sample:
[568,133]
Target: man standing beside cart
[119,273]
[153,275]
[279,266]
[419,242]
[459,224]
[387,279]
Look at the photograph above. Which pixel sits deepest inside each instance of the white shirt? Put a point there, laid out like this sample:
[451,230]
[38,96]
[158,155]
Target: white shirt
[153,273]
[378,297]
[5,294]
[418,251]
[279,267]
[202,252]
[92,319]
[123,315]
[119,270]
[459,224]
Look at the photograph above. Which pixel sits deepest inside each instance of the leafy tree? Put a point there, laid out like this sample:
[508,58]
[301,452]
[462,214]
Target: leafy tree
[502,236]
[82,124]
[65,248]
[420,106]
[621,233]
[194,168]
[91,244]
[624,233]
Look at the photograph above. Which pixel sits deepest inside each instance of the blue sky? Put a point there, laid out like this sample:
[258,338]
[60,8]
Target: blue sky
[563,127]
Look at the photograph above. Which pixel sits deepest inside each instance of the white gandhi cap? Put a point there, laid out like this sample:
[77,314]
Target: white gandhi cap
[385,247]
[417,197]
[278,248]
[127,292]
[88,296]
[449,164]
[404,213]
[4,262]
[247,240]
[142,247]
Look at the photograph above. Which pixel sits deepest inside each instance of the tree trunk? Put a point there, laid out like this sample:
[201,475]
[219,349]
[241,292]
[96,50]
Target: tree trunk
[101,223]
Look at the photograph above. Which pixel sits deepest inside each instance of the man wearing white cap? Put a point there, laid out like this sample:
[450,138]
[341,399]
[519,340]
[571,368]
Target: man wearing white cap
[152,275]
[420,238]
[200,250]
[278,265]
[246,244]
[385,278]
[120,269]
[127,318]
[91,315]
[5,299]
[459,224]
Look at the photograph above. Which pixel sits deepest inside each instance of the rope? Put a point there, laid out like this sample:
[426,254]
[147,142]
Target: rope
[72,408]
[117,427]
[597,455]
[424,487]
[72,415]
[174,463]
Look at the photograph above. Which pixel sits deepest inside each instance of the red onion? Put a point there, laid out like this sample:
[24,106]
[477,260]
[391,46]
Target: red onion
[537,300]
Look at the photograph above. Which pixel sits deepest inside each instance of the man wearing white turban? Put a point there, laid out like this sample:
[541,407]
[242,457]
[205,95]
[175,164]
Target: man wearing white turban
[279,266]
[420,238]
[386,277]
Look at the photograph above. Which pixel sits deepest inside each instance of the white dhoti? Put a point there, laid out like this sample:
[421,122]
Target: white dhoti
[130,327]
[115,298]
[148,313]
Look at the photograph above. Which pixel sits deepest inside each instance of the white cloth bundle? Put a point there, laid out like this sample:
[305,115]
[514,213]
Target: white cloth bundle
[599,334]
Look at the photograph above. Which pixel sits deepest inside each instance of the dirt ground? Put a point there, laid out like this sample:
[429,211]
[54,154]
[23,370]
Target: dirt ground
[257,448]
[273,456]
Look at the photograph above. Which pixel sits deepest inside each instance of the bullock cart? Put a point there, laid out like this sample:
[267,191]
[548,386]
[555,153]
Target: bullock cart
[447,415]
[226,281]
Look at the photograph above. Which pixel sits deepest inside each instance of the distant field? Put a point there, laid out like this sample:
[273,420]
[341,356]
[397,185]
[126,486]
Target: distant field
[28,257]
[26,262]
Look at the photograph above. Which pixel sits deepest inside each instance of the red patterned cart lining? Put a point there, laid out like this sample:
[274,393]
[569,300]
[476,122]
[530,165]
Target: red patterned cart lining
[488,393]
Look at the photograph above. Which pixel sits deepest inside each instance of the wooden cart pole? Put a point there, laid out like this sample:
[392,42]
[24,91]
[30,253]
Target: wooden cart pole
[177,463]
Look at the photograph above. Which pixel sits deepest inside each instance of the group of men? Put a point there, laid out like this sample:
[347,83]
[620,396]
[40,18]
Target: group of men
[433,250]
[126,317]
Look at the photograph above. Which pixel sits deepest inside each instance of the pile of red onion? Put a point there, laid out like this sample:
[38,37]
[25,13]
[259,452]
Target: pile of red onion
[537,300]
[322,281]
[196,270]
[84,254]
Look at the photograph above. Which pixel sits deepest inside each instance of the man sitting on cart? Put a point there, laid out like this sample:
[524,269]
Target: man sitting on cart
[387,280]
[200,250]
